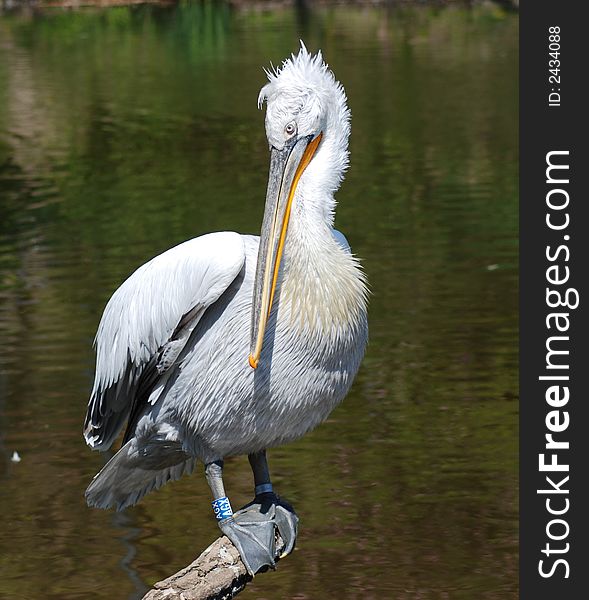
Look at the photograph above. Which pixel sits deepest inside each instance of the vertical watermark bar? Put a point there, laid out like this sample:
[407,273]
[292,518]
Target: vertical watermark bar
[554,296]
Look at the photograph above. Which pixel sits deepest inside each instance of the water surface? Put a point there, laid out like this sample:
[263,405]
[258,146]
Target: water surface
[124,131]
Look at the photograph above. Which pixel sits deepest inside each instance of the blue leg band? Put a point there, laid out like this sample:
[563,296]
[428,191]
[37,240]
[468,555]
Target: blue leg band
[222,508]
[263,488]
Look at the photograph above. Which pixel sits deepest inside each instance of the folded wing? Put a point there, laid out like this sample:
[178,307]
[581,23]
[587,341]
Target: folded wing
[147,322]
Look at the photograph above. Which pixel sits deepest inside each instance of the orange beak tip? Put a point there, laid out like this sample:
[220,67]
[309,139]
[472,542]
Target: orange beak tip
[253,362]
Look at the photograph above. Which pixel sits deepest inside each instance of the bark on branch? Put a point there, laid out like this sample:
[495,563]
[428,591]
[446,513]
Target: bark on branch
[217,574]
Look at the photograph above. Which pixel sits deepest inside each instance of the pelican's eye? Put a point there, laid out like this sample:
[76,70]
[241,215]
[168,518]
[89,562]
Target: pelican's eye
[290,129]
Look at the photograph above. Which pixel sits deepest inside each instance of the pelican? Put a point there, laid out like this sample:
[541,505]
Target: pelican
[230,344]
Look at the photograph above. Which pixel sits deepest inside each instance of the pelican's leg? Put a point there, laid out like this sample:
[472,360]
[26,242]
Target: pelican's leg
[259,466]
[253,528]
[214,475]
[265,499]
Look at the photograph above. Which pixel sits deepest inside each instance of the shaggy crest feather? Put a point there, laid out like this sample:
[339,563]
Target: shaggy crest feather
[302,72]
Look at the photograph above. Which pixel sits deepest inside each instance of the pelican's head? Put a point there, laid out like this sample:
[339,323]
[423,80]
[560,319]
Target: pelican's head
[306,102]
[307,126]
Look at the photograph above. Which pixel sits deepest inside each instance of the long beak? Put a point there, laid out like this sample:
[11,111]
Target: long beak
[286,167]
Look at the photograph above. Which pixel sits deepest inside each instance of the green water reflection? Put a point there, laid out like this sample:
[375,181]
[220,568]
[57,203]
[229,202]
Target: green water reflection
[124,131]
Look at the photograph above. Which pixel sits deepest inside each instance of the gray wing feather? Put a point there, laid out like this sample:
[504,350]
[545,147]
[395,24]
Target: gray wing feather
[147,322]
[129,475]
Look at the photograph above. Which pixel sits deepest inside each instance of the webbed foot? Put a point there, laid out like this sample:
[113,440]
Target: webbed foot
[253,530]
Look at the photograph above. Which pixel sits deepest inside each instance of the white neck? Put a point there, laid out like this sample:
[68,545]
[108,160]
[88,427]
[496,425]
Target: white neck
[314,201]
[322,282]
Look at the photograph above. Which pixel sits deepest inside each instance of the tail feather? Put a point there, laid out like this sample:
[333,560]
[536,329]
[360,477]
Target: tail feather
[130,474]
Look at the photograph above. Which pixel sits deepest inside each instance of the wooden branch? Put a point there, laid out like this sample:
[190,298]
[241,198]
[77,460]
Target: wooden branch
[217,574]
